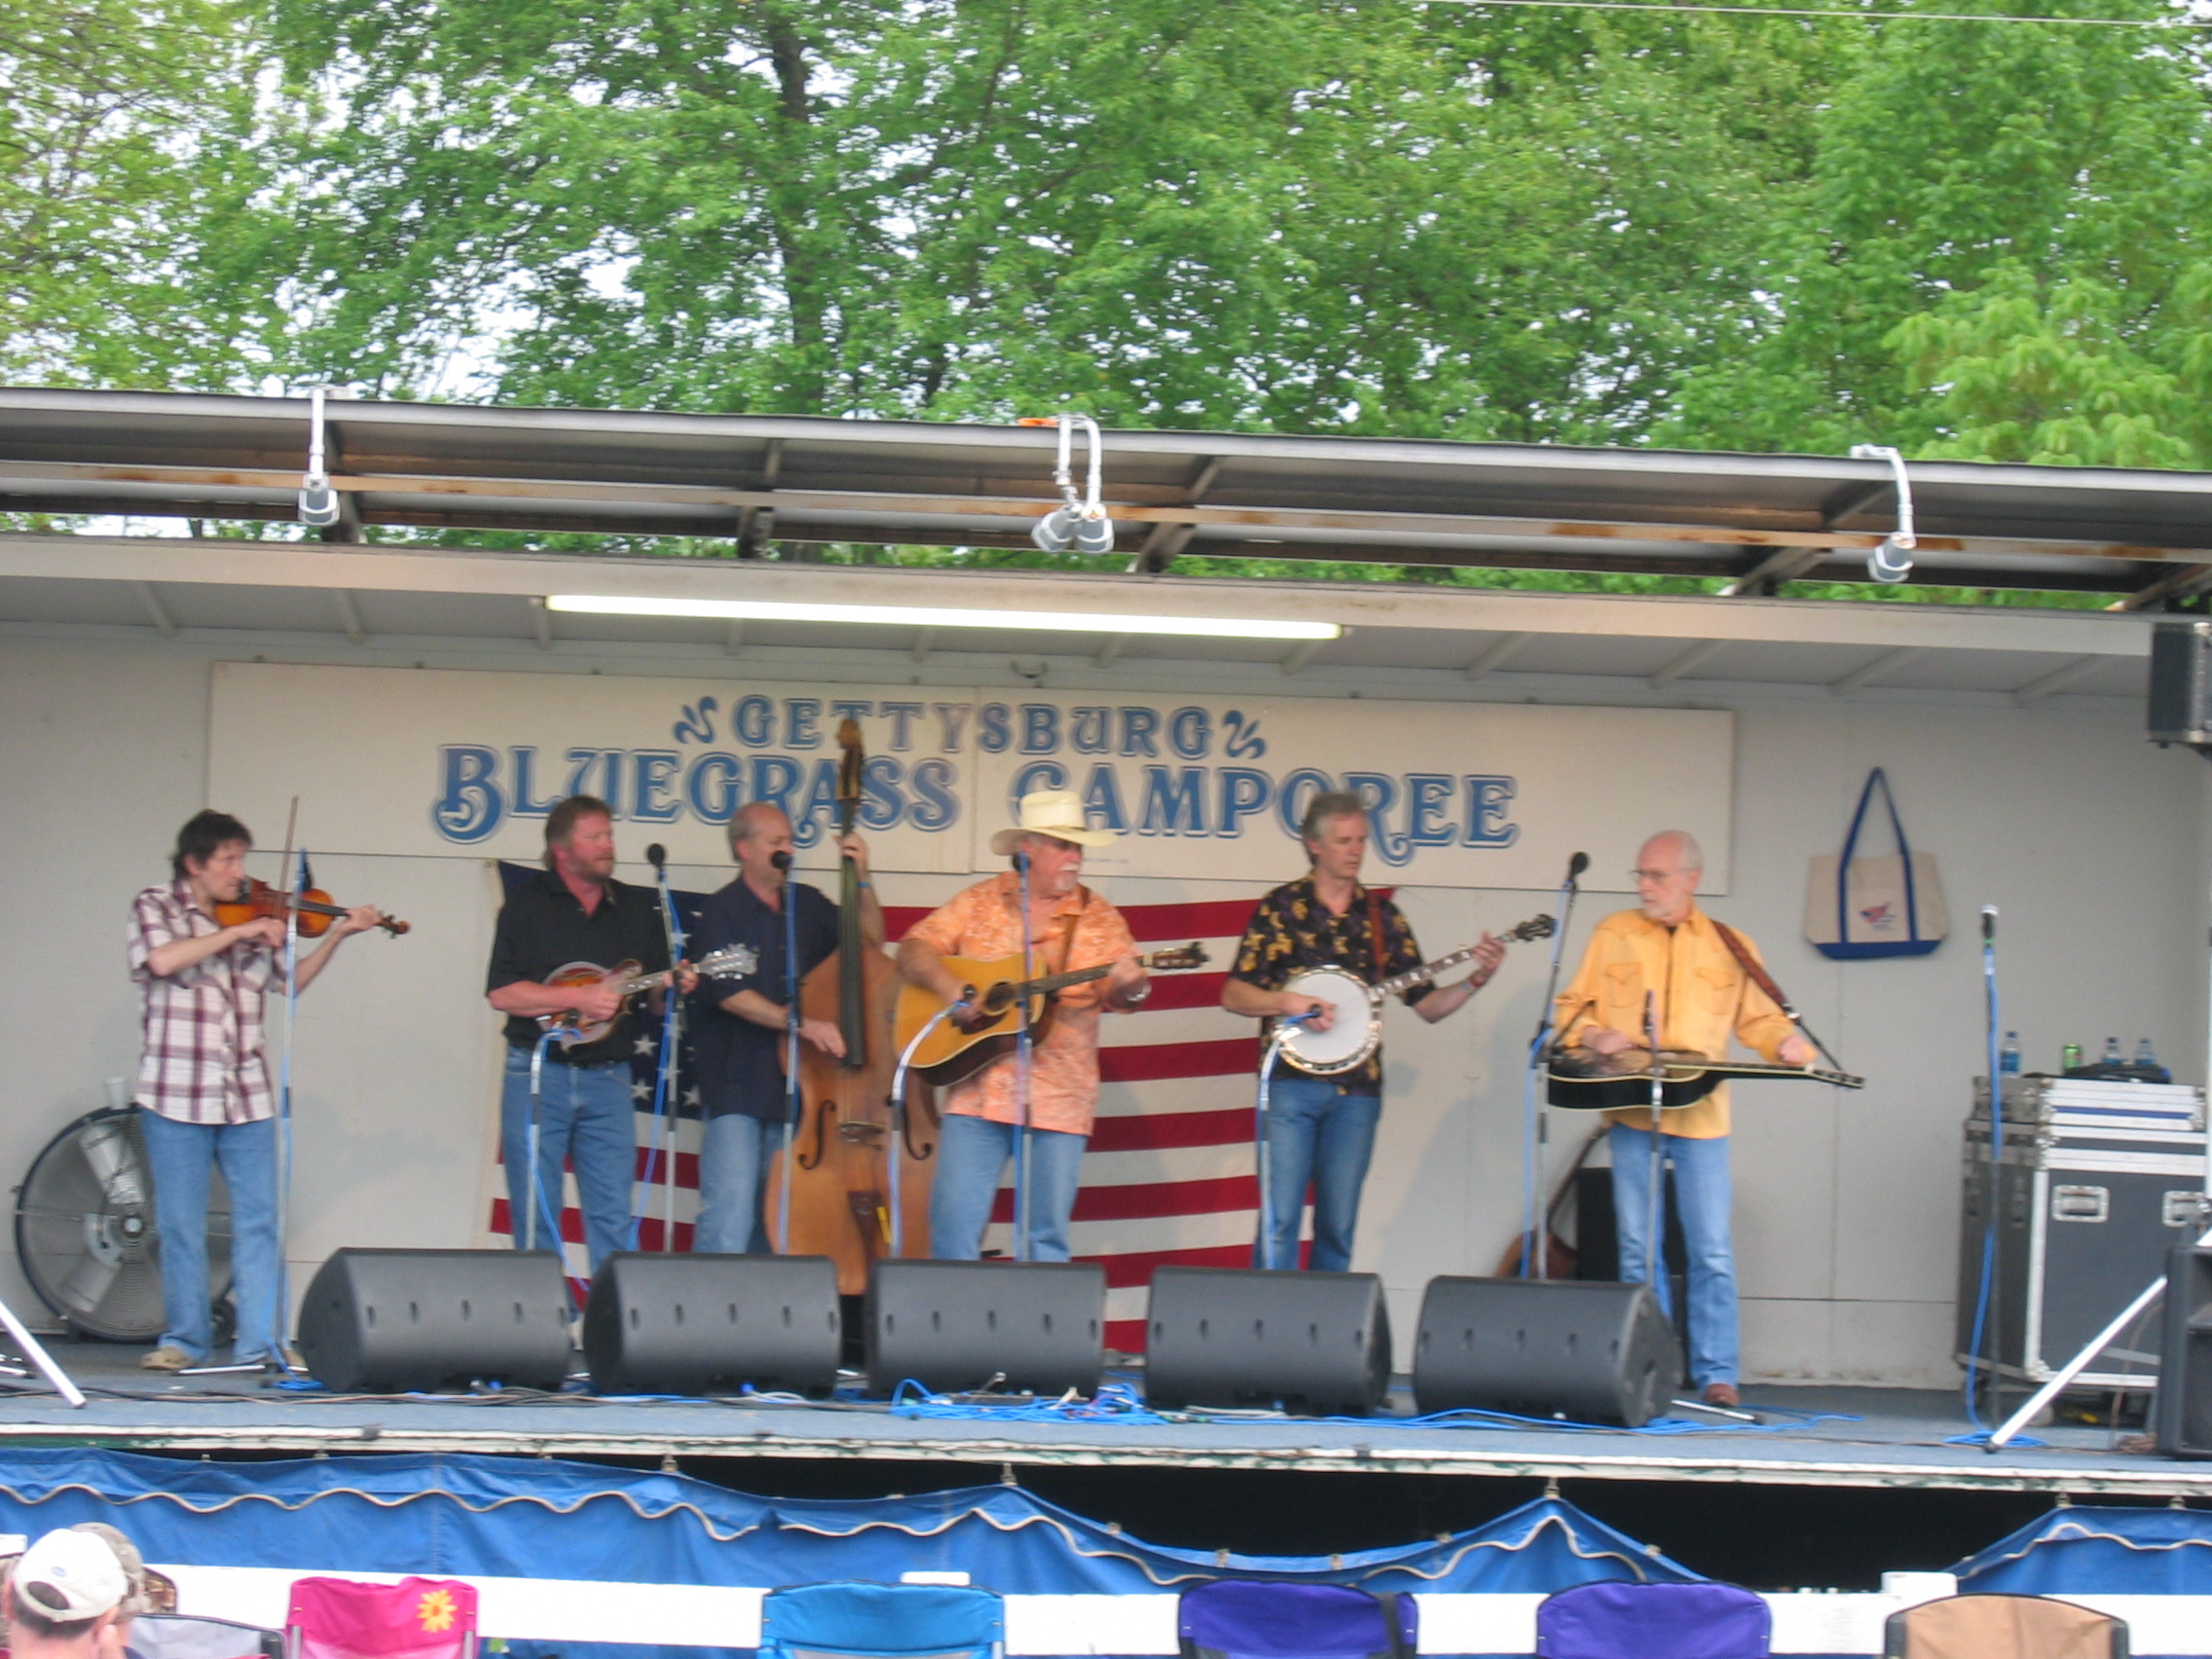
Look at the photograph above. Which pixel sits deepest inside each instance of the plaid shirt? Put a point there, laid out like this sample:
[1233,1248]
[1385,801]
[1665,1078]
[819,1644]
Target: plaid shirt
[201,1059]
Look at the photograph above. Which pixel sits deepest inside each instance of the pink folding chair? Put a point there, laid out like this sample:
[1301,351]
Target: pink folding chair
[416,1618]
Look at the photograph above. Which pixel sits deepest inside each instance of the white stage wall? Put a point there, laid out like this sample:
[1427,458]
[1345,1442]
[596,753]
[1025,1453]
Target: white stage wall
[2091,841]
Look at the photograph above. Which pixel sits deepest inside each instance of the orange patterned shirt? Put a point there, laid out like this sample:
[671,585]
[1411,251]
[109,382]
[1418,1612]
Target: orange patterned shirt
[984,921]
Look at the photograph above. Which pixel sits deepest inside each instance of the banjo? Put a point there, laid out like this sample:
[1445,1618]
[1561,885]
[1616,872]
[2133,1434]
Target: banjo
[1350,1038]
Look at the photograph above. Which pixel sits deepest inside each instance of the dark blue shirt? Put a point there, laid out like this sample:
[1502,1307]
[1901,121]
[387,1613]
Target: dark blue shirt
[740,1064]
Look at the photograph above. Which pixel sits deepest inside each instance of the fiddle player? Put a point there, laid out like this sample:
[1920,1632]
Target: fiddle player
[1322,1129]
[1672,948]
[203,1094]
[739,1038]
[574,911]
[1068,927]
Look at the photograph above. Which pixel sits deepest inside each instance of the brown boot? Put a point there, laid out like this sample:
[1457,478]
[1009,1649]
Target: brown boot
[1723,1395]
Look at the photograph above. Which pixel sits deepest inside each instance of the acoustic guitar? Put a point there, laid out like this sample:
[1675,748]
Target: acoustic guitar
[1582,1080]
[626,981]
[996,991]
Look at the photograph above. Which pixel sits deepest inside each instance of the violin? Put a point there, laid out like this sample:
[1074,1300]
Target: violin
[316,910]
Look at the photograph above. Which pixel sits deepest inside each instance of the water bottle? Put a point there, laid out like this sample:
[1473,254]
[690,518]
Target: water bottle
[2110,1055]
[2008,1055]
[2144,1057]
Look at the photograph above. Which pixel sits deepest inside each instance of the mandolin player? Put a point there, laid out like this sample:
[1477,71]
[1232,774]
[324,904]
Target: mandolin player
[574,912]
[1322,1129]
[1701,993]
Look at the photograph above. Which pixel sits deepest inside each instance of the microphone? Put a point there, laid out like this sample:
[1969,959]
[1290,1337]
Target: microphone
[656,855]
[1988,924]
[782,861]
[1020,860]
[1576,866]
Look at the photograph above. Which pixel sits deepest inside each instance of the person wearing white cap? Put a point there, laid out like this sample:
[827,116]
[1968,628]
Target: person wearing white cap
[73,1593]
[1067,927]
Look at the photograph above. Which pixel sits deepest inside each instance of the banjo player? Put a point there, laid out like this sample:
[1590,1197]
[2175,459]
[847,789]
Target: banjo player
[1321,1127]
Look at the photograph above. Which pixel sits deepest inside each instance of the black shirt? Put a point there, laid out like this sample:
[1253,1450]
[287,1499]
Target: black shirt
[740,1064]
[542,929]
[1292,932]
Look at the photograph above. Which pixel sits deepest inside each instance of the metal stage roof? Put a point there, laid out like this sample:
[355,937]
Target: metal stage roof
[1752,518]
[744,481]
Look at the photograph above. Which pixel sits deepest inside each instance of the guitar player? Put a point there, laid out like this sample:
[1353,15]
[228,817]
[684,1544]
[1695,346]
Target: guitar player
[1322,1129]
[574,912]
[1068,927]
[1669,946]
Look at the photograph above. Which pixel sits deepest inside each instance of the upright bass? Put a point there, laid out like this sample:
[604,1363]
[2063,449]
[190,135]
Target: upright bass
[847,1149]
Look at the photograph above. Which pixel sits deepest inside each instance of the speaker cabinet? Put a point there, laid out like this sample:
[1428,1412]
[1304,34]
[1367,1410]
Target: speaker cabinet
[2181,1417]
[2181,683]
[660,1325]
[952,1326]
[1536,1347]
[1319,1343]
[397,1321]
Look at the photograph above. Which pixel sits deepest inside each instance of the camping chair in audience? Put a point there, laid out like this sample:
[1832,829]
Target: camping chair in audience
[416,1618]
[882,1621]
[1653,1621]
[2002,1627]
[171,1636]
[1236,1618]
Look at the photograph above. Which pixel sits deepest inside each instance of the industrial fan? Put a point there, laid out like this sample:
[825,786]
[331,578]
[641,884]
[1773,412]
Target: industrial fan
[85,1230]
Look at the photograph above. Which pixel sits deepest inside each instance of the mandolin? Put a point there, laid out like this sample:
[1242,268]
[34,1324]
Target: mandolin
[1582,1080]
[626,981]
[996,991]
[1357,1029]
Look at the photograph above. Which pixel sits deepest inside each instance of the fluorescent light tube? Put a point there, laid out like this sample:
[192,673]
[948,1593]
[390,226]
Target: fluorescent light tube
[932,616]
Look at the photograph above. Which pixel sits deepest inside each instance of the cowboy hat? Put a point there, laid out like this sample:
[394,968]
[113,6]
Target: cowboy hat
[1057,813]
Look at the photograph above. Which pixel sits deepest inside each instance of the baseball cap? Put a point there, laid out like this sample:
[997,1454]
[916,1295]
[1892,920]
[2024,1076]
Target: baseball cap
[80,1572]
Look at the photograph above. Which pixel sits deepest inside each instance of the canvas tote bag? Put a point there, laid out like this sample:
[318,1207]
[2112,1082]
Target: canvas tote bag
[1860,906]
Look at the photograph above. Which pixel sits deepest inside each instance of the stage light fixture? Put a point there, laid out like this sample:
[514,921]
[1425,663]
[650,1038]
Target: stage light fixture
[1080,521]
[931,616]
[1892,561]
[318,502]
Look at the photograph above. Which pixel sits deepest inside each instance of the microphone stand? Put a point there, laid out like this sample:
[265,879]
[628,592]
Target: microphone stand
[1536,1127]
[899,1114]
[1655,1234]
[1022,1061]
[664,1081]
[783,861]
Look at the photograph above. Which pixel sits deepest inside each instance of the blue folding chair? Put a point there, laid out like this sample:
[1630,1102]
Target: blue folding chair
[1236,1619]
[882,1621]
[1653,1621]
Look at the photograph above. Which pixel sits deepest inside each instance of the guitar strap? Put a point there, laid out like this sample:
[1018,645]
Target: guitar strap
[1375,932]
[1760,977]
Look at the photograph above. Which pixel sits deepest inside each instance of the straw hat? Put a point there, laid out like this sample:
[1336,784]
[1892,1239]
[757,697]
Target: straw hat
[1057,813]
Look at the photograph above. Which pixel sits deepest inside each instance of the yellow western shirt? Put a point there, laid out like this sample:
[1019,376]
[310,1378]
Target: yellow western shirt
[1703,996]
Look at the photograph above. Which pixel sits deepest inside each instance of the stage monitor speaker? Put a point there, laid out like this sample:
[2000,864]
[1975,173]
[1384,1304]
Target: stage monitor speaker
[1578,1348]
[1227,1337]
[2181,683]
[661,1324]
[952,1326]
[2182,1416]
[397,1321]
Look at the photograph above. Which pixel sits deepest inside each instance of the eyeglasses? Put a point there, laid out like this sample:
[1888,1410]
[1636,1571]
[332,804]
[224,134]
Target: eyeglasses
[1655,875]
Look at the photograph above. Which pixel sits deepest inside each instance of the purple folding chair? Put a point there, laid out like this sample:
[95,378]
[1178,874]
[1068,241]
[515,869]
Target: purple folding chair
[1653,1621]
[1236,1619]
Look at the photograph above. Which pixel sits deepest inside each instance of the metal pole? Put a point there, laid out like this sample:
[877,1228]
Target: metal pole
[1536,1127]
[791,1059]
[1021,1059]
[898,1117]
[1262,1154]
[36,1353]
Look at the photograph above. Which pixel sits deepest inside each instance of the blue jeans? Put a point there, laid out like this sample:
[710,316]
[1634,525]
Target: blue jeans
[182,1157]
[972,1153]
[1317,1138]
[1702,1193]
[585,1117]
[733,1167]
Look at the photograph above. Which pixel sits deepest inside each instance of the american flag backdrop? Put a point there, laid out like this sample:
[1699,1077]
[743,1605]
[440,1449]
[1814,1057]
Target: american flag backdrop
[1168,1176]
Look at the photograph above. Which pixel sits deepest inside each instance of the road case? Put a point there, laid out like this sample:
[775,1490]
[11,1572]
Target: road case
[2096,1182]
